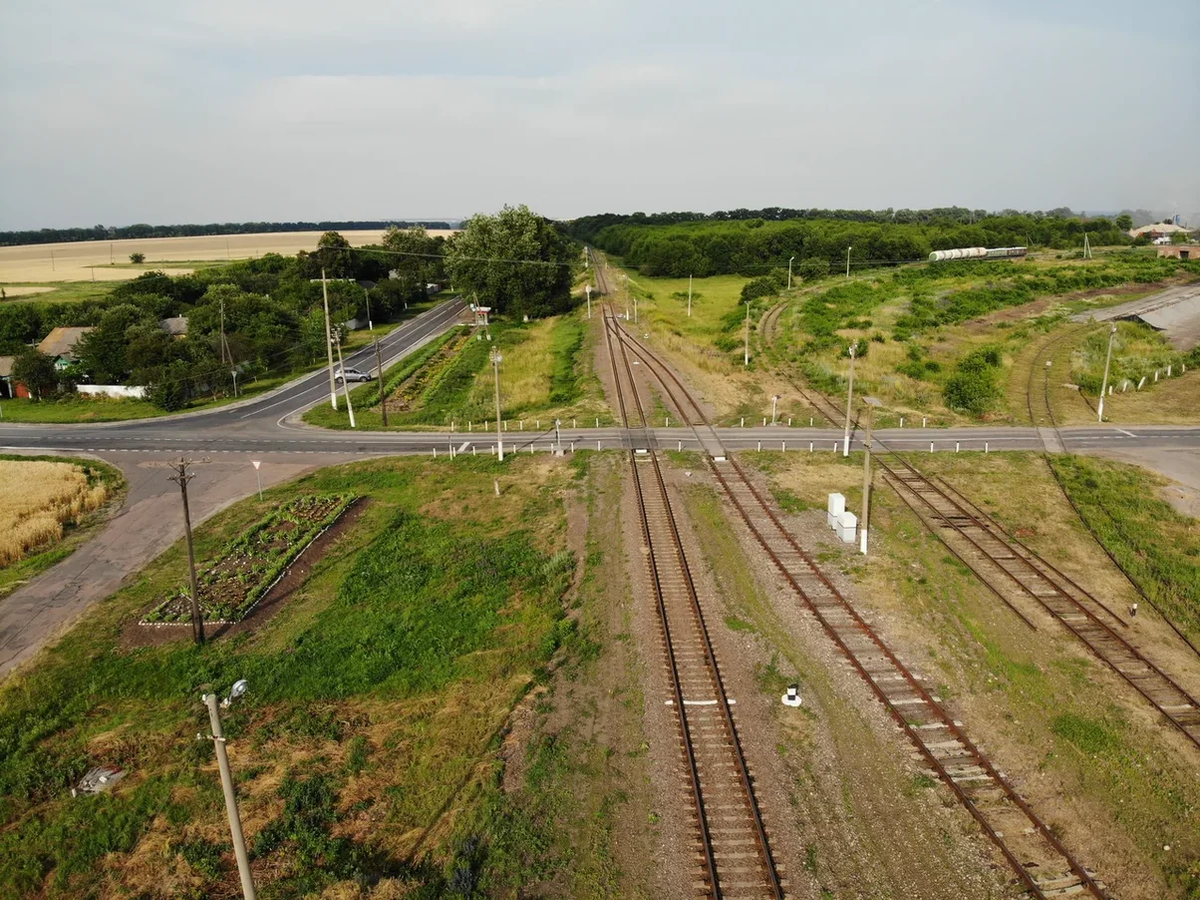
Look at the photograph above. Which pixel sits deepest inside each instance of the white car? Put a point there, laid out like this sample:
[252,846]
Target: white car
[351,375]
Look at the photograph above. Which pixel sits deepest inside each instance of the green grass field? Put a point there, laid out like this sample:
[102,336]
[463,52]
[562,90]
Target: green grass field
[364,750]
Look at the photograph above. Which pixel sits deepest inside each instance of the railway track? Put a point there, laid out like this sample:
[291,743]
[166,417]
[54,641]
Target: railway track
[1043,867]
[735,852]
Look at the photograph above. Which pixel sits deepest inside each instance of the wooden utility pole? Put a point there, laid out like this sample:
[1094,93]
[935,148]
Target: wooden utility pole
[379,374]
[181,478]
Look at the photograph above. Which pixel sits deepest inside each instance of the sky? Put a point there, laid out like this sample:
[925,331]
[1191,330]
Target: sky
[264,110]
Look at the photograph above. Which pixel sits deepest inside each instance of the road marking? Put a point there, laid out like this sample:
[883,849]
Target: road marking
[465,445]
[1126,433]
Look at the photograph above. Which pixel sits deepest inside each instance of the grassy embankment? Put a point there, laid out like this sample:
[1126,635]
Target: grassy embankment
[545,374]
[1082,744]
[1158,547]
[914,326]
[365,751]
[48,506]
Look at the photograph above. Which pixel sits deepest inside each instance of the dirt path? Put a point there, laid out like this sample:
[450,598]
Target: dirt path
[35,615]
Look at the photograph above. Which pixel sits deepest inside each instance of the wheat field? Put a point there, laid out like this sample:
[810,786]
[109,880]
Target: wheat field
[37,499]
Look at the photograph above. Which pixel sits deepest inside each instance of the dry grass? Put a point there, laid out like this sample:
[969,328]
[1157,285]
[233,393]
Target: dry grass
[109,260]
[37,499]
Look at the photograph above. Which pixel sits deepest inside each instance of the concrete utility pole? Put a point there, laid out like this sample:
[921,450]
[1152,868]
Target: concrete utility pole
[689,296]
[328,340]
[1104,384]
[345,380]
[496,356]
[871,402]
[181,477]
[379,374]
[790,261]
[589,300]
[848,249]
[370,324]
[849,404]
[235,821]
[746,359]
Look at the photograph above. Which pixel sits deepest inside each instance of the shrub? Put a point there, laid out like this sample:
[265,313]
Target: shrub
[813,268]
[973,386]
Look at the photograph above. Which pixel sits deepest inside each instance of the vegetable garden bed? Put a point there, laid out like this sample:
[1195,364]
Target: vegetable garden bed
[252,563]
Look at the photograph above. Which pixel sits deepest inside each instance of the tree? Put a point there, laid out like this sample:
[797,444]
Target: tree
[137,258]
[813,268]
[333,254]
[515,262]
[1124,221]
[102,352]
[36,371]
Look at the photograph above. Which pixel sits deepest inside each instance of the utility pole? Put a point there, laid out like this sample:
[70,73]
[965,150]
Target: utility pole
[746,358]
[328,340]
[181,477]
[589,300]
[235,821]
[379,373]
[626,298]
[790,261]
[495,356]
[848,249]
[635,311]
[1104,384]
[345,381]
[774,408]
[849,403]
[689,296]
[862,526]
[370,324]
[222,331]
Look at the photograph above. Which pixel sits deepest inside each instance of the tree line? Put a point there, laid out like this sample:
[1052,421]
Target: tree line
[754,246]
[141,230]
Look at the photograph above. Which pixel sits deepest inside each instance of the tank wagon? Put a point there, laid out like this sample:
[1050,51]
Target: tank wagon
[978,253]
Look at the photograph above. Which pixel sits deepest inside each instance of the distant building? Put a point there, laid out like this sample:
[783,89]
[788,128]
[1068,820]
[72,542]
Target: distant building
[1180,251]
[60,343]
[1158,229]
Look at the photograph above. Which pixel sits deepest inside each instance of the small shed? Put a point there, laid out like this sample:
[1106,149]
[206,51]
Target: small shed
[1179,251]
[8,389]
[176,326]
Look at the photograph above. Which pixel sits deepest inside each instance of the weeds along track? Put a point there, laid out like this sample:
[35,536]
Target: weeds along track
[599,270]
[735,855]
[1043,866]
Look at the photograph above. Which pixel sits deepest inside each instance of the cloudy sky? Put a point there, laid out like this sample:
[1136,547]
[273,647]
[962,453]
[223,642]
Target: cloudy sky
[230,110]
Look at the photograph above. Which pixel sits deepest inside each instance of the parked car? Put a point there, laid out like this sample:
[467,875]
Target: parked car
[352,375]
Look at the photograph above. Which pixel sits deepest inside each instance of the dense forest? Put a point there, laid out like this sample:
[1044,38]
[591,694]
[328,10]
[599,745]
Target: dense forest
[113,233]
[741,242]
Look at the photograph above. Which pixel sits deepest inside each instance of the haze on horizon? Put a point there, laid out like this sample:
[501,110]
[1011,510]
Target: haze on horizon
[226,111]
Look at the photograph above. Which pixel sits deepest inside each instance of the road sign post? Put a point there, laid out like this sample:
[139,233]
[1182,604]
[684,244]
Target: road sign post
[258,475]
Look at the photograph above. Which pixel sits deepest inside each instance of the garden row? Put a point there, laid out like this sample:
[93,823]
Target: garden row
[254,561]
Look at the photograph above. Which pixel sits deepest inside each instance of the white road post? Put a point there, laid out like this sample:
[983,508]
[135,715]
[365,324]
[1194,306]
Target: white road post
[257,475]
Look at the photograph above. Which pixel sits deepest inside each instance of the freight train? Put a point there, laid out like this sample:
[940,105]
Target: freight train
[978,253]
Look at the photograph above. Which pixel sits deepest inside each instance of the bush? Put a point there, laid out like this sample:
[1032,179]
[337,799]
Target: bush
[813,268]
[763,286]
[973,386]
[137,258]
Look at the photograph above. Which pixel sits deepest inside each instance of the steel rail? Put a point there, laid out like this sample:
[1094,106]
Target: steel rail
[764,851]
[944,720]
